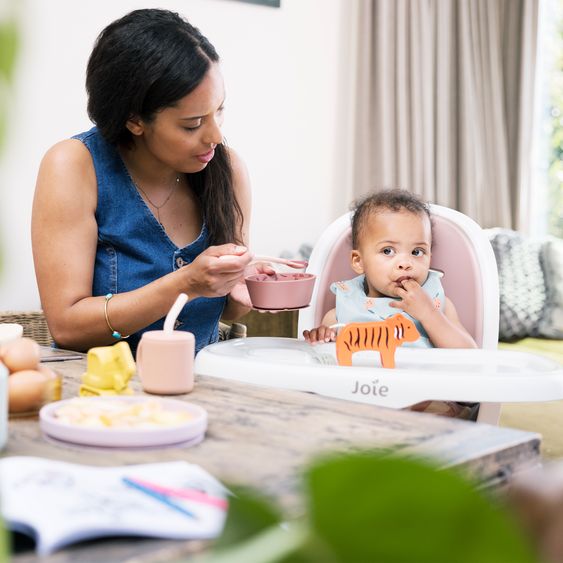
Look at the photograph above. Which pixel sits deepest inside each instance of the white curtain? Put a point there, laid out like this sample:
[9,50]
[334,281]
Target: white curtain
[442,102]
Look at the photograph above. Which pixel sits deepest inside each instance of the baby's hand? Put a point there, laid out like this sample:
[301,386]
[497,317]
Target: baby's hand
[320,334]
[414,301]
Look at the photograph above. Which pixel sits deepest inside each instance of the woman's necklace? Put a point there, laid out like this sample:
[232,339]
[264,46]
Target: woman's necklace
[159,207]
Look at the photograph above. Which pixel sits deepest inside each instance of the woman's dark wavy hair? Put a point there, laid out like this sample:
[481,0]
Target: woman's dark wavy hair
[147,61]
[389,200]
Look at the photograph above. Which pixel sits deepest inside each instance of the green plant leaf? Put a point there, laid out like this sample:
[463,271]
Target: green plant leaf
[3,542]
[249,514]
[4,99]
[272,545]
[394,510]
[9,45]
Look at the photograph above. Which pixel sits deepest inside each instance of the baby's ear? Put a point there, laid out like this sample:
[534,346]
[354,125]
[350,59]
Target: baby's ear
[356,262]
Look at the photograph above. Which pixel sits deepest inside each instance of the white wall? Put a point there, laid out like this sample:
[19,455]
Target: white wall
[283,70]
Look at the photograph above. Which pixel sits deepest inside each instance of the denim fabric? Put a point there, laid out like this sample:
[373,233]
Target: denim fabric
[134,249]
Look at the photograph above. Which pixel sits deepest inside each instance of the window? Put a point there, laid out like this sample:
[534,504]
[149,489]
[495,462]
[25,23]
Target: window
[548,180]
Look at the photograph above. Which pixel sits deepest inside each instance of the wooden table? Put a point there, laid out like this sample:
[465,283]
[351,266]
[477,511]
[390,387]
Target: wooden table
[263,437]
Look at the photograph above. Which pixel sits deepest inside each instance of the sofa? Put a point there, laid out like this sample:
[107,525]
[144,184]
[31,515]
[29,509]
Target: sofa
[531,320]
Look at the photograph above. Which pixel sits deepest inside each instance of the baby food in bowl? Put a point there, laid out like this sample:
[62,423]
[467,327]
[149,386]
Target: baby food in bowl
[281,290]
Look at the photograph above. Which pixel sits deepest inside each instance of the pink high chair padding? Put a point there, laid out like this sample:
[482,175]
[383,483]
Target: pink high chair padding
[453,253]
[337,268]
[460,249]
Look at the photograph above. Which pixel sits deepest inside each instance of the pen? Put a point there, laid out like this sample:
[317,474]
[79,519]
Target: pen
[158,496]
[189,494]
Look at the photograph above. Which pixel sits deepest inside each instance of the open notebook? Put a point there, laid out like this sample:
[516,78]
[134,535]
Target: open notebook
[50,354]
[60,503]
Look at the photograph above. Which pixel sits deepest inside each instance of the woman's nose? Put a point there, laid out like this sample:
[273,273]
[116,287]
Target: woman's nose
[213,133]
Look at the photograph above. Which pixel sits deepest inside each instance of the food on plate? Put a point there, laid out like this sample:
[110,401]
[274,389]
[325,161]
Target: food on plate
[104,413]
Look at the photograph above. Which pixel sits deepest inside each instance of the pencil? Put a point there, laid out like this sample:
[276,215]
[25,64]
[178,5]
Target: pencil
[158,496]
[189,494]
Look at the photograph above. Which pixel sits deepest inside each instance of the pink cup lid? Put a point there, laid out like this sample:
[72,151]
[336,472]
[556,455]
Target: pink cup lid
[167,336]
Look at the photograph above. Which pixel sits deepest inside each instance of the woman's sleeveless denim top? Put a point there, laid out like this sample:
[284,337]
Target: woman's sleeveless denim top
[133,248]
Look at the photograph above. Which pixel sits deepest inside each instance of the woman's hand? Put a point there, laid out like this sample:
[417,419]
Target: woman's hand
[321,334]
[239,293]
[217,270]
[260,268]
[239,296]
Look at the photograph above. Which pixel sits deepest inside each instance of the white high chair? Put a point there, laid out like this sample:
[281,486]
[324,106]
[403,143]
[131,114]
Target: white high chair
[460,249]
[487,376]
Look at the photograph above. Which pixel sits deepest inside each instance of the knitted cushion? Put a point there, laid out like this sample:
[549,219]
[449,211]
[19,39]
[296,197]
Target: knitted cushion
[521,283]
[551,323]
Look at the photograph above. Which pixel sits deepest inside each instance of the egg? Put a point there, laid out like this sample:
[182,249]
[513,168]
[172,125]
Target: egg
[26,390]
[21,354]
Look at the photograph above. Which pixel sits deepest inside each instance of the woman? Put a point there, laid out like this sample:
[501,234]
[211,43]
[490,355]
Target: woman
[141,207]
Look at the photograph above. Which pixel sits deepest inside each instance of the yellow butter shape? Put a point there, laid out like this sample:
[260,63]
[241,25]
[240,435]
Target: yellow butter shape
[109,369]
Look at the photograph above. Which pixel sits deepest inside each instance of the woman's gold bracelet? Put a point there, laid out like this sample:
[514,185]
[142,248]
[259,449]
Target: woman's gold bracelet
[116,334]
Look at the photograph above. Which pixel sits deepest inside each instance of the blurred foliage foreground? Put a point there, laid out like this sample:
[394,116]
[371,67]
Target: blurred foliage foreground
[367,508]
[8,51]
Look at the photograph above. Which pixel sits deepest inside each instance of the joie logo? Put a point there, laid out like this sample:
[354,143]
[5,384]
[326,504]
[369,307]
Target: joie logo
[372,388]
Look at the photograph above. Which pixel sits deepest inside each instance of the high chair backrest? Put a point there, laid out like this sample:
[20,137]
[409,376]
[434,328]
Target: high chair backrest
[460,249]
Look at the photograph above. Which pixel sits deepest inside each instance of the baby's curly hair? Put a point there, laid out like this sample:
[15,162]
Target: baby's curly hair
[390,200]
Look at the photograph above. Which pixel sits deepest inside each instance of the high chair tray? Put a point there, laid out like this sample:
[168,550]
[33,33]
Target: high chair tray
[420,374]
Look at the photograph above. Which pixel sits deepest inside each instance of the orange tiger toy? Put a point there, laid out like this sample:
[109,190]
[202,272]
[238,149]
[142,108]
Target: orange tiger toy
[384,336]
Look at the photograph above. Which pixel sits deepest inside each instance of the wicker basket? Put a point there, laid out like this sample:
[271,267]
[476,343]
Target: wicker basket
[35,326]
[233,330]
[33,322]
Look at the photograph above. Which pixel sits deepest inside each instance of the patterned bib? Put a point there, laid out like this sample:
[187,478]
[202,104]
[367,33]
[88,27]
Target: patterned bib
[354,306]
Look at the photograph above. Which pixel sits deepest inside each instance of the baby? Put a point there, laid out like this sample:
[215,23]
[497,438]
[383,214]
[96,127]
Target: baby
[391,251]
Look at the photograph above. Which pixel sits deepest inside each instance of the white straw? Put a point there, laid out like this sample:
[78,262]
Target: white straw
[172,315]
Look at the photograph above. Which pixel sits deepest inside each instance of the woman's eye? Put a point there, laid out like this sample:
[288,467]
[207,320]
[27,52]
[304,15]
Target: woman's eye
[388,251]
[418,252]
[192,128]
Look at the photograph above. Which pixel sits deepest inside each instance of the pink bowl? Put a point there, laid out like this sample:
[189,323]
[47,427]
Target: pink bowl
[282,291]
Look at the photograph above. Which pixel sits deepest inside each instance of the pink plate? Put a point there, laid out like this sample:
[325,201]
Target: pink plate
[126,437]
